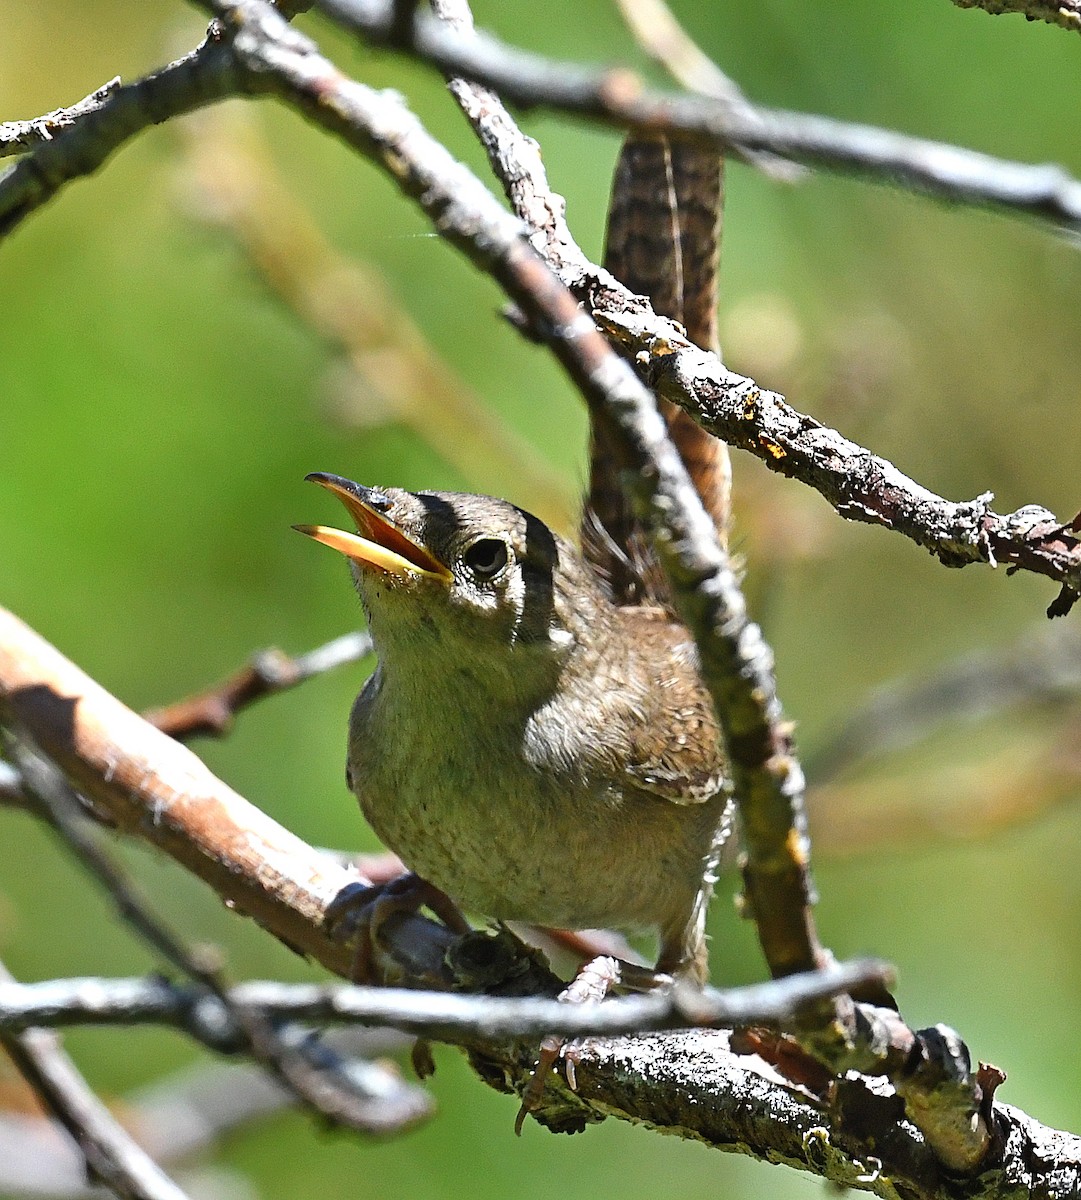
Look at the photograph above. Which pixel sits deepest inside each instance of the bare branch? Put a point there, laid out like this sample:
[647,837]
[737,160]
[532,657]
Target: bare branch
[860,485]
[188,1112]
[1045,192]
[736,664]
[16,137]
[153,787]
[91,137]
[441,1015]
[616,96]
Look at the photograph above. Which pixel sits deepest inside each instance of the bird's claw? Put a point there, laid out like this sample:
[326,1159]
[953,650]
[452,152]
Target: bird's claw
[360,910]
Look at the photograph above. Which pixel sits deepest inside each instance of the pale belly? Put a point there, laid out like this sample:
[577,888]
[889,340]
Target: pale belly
[515,846]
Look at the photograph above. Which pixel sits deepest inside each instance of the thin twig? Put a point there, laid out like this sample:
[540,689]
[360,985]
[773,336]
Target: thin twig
[211,712]
[439,1015]
[860,485]
[111,1155]
[198,78]
[191,1111]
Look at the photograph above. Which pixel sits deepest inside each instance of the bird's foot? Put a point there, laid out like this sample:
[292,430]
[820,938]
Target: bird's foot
[592,983]
[360,910]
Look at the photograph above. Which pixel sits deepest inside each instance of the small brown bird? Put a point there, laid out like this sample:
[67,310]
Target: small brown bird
[536,751]
[536,741]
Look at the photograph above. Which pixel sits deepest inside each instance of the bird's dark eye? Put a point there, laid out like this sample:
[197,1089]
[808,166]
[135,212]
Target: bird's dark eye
[486,557]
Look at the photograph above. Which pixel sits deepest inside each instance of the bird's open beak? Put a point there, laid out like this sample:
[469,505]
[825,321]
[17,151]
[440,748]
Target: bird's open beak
[379,543]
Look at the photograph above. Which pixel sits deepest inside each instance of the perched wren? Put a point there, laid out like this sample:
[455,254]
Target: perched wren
[536,741]
[535,750]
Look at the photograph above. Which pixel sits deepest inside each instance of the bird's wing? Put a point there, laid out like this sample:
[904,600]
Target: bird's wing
[675,750]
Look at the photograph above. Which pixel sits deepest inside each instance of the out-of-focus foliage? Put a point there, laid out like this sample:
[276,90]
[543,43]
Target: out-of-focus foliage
[158,411]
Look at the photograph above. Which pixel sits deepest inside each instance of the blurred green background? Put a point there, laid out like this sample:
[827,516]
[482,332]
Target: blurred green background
[159,409]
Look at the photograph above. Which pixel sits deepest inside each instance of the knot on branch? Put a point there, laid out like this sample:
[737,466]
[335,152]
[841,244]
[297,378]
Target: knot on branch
[966,530]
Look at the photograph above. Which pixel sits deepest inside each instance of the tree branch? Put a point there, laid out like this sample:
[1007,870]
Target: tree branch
[16,137]
[616,96]
[860,485]
[444,1016]
[151,786]
[1064,13]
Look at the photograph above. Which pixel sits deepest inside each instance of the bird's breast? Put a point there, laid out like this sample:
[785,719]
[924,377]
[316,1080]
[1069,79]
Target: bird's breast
[514,834]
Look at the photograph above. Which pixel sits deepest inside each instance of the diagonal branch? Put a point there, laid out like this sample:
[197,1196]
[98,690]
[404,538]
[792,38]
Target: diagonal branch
[1045,192]
[198,78]
[860,485]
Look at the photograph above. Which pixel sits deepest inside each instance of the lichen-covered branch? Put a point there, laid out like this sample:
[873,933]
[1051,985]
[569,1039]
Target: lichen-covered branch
[860,485]
[16,137]
[1064,13]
